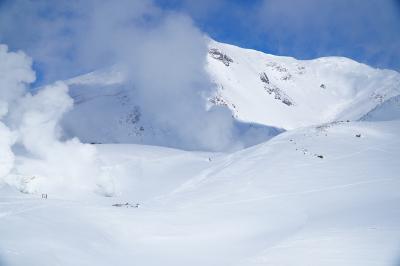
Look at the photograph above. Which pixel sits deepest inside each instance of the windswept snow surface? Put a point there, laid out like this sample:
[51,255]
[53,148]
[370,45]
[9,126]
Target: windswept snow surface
[277,203]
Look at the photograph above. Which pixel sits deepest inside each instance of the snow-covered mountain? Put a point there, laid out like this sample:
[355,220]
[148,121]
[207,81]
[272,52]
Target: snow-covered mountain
[289,93]
[263,92]
[105,111]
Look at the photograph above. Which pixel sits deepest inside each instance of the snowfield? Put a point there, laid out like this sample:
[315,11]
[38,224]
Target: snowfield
[319,195]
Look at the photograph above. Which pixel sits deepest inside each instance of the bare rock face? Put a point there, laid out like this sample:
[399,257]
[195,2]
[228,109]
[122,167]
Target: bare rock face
[218,100]
[279,94]
[272,89]
[284,72]
[264,78]
[218,55]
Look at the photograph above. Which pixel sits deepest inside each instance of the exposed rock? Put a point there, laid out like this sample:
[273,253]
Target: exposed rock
[264,78]
[287,77]
[279,94]
[301,70]
[277,67]
[133,116]
[218,100]
[287,102]
[218,55]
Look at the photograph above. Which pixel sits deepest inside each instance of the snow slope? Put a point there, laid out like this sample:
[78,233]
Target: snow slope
[260,89]
[387,110]
[106,111]
[277,203]
[289,93]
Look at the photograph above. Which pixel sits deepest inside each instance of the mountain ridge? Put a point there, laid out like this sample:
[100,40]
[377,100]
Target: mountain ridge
[261,90]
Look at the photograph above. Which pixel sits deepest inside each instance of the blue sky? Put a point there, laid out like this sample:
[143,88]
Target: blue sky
[55,33]
[365,30]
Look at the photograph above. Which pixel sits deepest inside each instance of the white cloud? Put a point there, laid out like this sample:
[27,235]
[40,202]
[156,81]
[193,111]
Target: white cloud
[15,73]
[43,162]
[163,54]
[7,156]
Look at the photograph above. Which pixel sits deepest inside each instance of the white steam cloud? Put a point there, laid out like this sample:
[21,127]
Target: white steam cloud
[162,53]
[7,157]
[39,161]
[15,74]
